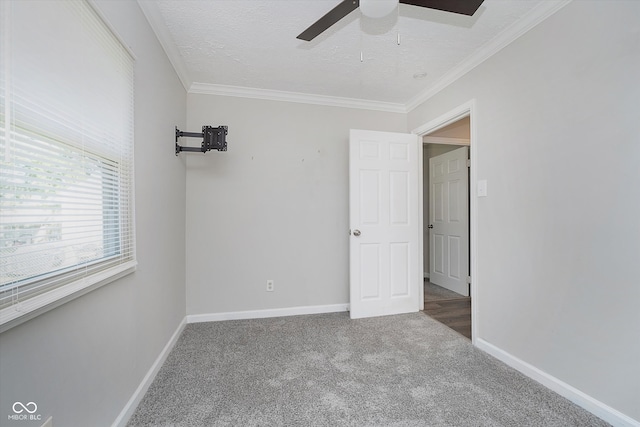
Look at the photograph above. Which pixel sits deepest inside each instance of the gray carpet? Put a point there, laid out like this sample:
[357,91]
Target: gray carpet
[328,370]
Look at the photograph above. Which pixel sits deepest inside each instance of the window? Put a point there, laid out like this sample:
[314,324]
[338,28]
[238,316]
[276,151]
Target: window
[66,155]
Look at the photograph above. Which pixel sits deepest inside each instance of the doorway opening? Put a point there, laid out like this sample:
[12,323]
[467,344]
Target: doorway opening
[446,237]
[448,214]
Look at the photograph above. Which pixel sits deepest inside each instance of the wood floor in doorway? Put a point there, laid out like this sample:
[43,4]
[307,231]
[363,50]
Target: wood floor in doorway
[448,308]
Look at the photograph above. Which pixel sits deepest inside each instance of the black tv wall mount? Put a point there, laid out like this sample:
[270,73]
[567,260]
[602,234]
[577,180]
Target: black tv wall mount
[212,139]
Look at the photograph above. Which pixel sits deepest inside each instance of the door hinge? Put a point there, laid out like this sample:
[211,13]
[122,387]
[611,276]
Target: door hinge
[469,279]
[468,163]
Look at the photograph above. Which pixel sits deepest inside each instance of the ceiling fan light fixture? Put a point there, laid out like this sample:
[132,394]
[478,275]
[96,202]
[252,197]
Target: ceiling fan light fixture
[377,8]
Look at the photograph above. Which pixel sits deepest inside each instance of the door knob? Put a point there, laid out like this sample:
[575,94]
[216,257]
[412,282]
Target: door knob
[356,233]
[430,226]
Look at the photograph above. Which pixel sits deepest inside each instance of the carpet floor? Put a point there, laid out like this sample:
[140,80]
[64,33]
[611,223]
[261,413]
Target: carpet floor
[327,370]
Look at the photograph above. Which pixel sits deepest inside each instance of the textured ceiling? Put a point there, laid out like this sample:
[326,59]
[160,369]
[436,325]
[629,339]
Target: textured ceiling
[252,44]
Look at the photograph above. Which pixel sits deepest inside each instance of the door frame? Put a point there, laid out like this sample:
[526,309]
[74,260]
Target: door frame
[463,110]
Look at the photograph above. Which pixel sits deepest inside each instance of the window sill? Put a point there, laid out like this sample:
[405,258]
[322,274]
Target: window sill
[33,307]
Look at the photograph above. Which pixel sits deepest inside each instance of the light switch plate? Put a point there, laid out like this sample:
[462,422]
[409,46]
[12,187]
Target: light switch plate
[482,188]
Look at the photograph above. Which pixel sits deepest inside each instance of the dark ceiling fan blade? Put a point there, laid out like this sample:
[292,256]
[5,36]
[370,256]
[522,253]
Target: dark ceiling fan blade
[464,7]
[334,15]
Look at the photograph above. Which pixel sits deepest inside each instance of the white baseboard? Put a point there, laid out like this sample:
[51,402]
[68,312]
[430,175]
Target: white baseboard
[261,314]
[137,396]
[587,402]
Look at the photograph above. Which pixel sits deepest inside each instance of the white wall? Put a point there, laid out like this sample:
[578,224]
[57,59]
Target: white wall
[82,362]
[558,140]
[558,237]
[274,206]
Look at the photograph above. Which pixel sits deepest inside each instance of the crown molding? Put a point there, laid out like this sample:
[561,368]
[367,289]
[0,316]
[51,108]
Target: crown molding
[159,27]
[303,98]
[544,10]
[541,12]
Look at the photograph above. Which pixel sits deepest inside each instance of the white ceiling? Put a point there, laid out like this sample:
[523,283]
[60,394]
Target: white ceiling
[249,48]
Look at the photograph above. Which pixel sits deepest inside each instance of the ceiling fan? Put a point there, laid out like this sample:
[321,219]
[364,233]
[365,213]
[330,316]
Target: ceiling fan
[380,8]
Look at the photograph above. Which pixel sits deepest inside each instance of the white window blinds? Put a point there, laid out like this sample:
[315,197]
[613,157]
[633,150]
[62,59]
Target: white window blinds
[66,151]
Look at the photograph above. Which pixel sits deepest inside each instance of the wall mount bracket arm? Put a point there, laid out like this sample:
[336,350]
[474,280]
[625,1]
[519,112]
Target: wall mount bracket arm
[212,139]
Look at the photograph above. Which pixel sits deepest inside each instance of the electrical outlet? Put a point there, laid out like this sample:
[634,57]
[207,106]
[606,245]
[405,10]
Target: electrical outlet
[269,285]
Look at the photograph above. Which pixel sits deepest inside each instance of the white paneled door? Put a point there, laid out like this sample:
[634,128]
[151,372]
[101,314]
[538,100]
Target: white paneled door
[449,220]
[385,261]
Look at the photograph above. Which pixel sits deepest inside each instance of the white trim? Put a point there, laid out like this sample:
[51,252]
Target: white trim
[444,140]
[421,220]
[473,220]
[541,12]
[94,6]
[445,119]
[464,110]
[302,98]
[261,314]
[578,397]
[156,21]
[506,37]
[35,306]
[136,398]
